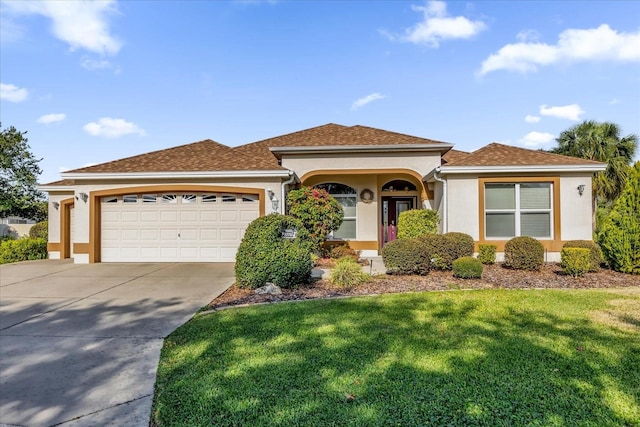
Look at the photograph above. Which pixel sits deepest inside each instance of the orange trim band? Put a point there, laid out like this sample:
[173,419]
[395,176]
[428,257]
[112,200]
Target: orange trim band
[81,248]
[53,247]
[65,227]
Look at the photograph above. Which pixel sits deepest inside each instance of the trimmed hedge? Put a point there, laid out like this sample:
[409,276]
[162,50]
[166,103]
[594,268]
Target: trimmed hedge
[25,249]
[406,256]
[40,230]
[443,249]
[264,256]
[595,254]
[576,261]
[467,267]
[487,253]
[417,222]
[523,253]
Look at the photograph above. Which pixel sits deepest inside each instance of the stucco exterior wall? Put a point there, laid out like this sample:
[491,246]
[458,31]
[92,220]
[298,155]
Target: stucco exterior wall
[422,162]
[463,205]
[575,210]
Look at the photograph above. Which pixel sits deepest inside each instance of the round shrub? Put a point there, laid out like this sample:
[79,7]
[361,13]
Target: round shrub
[406,256]
[595,254]
[40,230]
[417,222]
[342,251]
[487,253]
[264,256]
[318,211]
[460,244]
[523,253]
[575,261]
[467,267]
[443,249]
[348,273]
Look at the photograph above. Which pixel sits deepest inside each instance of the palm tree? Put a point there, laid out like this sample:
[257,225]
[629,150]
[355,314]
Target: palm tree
[601,142]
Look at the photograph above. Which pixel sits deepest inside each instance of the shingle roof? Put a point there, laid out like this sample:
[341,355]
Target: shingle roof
[496,154]
[61,183]
[204,155]
[453,155]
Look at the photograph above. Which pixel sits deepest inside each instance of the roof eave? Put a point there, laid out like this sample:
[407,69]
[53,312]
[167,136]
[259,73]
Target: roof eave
[439,147]
[592,168]
[284,173]
[55,188]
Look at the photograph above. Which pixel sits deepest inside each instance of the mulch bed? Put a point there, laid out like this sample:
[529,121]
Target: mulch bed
[493,277]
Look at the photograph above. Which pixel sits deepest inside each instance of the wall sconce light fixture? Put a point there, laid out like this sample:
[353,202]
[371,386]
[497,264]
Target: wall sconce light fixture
[275,203]
[55,205]
[84,197]
[581,189]
[270,193]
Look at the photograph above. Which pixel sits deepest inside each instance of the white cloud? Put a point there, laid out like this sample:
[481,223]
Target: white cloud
[569,112]
[13,93]
[528,36]
[112,128]
[531,119]
[536,139]
[95,64]
[81,24]
[437,25]
[367,99]
[614,101]
[574,45]
[51,118]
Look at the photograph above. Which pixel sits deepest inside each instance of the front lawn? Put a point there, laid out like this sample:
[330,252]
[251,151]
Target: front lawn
[494,357]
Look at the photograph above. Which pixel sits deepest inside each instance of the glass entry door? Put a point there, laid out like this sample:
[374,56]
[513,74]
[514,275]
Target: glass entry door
[391,209]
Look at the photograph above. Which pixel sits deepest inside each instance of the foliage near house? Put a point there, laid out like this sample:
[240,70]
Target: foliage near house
[467,267]
[317,210]
[417,222]
[575,261]
[595,254]
[406,256]
[523,253]
[445,248]
[40,230]
[620,235]
[487,253]
[25,249]
[265,256]
[348,273]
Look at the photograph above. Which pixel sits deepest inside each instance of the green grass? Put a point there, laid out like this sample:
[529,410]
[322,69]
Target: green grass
[494,358]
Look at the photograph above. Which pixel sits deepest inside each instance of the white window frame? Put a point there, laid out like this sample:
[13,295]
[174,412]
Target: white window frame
[354,218]
[518,211]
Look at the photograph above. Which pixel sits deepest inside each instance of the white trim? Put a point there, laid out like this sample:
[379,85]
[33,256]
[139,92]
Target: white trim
[50,188]
[192,174]
[518,169]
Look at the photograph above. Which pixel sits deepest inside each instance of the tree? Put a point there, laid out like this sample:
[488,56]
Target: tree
[601,142]
[318,211]
[19,171]
[620,235]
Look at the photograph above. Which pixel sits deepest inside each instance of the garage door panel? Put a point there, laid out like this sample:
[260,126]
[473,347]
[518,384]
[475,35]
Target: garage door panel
[191,231]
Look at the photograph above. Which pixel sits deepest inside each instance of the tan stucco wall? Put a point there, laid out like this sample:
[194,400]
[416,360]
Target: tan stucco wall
[463,205]
[422,163]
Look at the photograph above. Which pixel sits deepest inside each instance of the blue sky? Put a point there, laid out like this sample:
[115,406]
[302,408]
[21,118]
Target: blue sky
[97,81]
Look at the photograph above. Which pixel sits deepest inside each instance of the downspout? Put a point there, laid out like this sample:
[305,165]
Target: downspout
[283,193]
[436,176]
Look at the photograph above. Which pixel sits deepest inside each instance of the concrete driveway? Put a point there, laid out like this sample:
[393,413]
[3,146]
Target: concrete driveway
[79,344]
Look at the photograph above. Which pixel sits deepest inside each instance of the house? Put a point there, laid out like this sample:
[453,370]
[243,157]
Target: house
[193,202]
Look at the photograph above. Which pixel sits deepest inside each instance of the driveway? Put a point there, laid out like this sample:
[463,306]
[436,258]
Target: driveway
[79,344]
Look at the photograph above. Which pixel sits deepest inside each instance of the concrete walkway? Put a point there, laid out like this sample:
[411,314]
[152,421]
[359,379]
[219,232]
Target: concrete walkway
[79,344]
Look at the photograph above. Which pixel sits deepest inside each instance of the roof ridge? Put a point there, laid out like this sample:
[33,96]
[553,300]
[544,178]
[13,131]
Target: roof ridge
[541,151]
[290,134]
[397,133]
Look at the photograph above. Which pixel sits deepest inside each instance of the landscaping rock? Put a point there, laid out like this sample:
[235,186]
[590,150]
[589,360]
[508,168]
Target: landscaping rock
[270,289]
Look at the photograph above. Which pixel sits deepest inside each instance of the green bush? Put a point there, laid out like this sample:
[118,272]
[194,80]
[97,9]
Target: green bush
[443,249]
[487,253]
[461,244]
[620,235]
[406,256]
[40,230]
[523,253]
[264,256]
[24,249]
[575,261]
[595,254]
[318,211]
[467,267]
[348,273]
[342,251]
[417,222]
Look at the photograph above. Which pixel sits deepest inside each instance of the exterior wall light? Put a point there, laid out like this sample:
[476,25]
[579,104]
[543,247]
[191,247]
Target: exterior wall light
[55,205]
[84,197]
[581,189]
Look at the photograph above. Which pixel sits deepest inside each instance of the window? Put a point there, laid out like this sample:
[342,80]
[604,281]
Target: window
[249,198]
[346,196]
[109,200]
[169,198]
[228,198]
[209,198]
[188,198]
[518,210]
[130,198]
[149,198]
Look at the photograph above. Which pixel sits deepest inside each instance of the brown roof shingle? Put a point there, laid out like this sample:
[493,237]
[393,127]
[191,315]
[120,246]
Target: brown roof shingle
[496,154]
[61,183]
[453,155]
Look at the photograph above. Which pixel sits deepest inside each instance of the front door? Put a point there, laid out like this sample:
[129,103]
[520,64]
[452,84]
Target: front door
[391,209]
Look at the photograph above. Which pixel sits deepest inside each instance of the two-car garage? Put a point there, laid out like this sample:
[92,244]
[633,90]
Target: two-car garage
[171,226]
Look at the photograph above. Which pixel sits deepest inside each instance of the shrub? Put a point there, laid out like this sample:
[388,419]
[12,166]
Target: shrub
[24,249]
[40,230]
[467,267]
[317,210]
[595,254]
[575,261]
[460,244]
[620,235]
[264,256]
[348,273]
[342,251]
[523,253]
[406,256]
[417,222]
[487,253]
[443,249]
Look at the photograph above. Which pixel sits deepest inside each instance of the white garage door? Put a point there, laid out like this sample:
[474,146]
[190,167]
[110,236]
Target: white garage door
[190,227]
